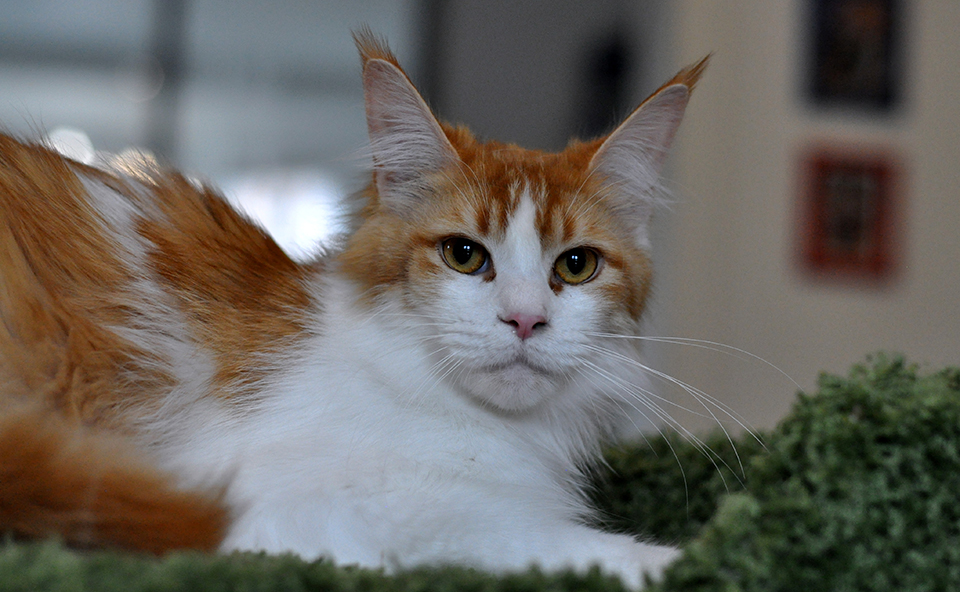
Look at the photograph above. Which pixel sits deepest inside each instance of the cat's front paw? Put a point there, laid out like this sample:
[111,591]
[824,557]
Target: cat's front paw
[653,560]
[633,562]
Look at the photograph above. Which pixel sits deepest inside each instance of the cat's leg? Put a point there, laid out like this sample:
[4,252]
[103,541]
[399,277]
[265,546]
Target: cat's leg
[582,547]
[381,531]
[502,536]
[553,546]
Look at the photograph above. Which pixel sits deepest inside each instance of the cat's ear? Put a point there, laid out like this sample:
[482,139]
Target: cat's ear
[632,155]
[406,140]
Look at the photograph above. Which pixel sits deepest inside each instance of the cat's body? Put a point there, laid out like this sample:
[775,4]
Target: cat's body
[430,391]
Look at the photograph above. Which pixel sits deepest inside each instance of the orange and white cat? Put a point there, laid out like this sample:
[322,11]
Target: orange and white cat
[429,391]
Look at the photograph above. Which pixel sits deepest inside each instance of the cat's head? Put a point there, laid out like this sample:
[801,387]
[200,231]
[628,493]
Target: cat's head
[514,262]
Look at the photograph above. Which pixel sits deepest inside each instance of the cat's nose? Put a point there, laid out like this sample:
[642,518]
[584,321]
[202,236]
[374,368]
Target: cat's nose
[525,324]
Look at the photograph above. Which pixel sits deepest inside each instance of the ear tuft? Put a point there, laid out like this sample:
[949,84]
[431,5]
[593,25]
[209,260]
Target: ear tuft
[690,76]
[373,47]
[631,157]
[406,140]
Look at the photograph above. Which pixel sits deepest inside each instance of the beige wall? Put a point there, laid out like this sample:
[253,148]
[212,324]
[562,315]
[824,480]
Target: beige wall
[726,252]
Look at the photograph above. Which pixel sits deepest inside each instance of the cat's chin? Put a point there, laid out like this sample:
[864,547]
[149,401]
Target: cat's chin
[513,388]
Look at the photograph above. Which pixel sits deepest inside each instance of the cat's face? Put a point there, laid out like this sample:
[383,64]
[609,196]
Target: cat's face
[514,263]
[519,303]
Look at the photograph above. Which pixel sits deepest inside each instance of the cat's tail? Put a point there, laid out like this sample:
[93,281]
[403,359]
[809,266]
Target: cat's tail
[58,480]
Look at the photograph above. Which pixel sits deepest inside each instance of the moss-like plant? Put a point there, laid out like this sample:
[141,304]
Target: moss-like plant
[859,490]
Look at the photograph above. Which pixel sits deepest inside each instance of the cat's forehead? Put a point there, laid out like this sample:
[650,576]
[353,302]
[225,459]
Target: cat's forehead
[493,182]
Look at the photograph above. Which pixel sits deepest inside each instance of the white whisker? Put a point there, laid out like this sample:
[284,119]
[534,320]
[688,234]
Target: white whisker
[641,395]
[683,473]
[661,375]
[704,344]
[698,395]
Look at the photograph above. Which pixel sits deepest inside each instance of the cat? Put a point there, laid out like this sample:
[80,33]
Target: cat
[431,389]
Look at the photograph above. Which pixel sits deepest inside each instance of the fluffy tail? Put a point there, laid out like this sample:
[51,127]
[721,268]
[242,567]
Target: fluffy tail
[81,486]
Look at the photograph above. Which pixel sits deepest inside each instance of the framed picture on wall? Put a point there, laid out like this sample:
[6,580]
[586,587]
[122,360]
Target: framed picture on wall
[849,218]
[856,53]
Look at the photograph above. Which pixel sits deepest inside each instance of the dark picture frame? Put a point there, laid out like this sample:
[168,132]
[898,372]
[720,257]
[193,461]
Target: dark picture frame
[856,54]
[850,206]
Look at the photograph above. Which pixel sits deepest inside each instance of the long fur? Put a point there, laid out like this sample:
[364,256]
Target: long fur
[171,379]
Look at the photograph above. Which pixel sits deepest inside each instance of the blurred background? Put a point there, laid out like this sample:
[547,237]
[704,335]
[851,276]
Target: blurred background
[814,188]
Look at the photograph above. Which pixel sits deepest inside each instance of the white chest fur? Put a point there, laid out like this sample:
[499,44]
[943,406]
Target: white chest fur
[363,451]
[359,451]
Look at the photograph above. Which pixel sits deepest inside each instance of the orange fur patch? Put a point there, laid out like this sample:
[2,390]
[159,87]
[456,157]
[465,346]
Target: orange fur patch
[58,480]
[243,296]
[68,287]
[63,284]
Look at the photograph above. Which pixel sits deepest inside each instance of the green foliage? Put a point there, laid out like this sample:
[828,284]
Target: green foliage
[857,489]
[33,567]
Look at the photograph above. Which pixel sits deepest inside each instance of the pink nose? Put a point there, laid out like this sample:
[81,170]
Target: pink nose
[525,324]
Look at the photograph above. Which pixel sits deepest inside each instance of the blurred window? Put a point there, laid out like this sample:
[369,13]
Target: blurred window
[261,98]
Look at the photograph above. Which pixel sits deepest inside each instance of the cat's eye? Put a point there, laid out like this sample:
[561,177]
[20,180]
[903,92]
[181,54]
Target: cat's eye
[463,255]
[577,265]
